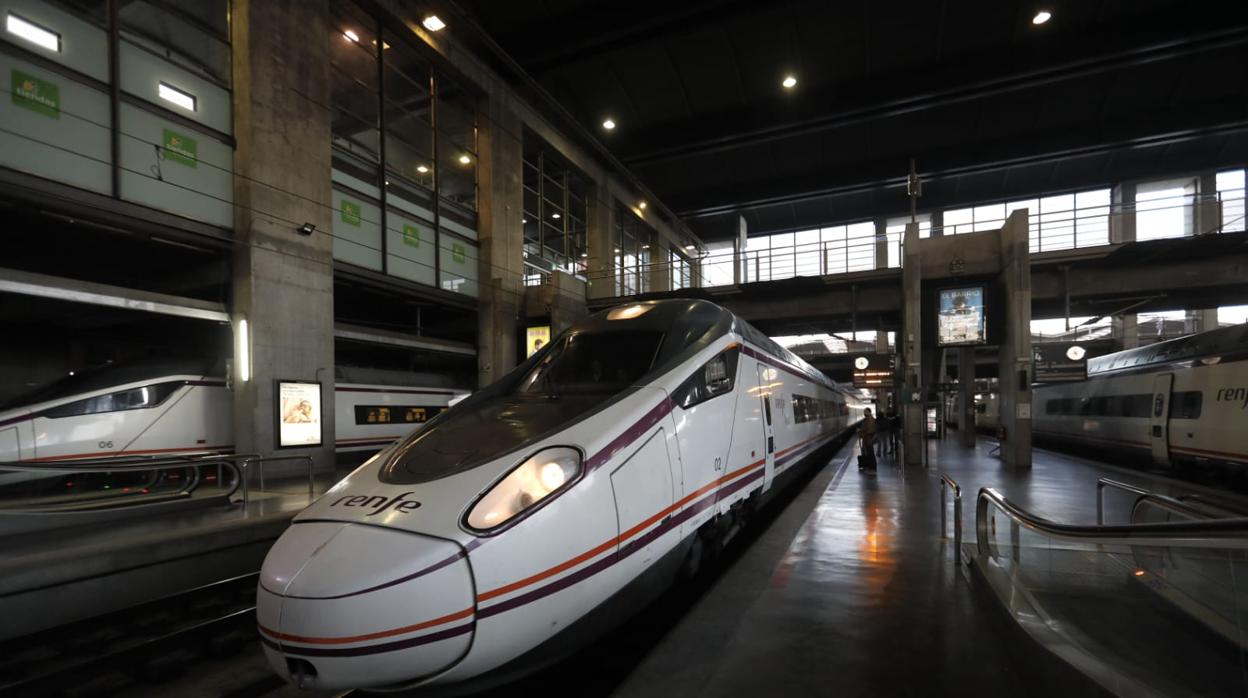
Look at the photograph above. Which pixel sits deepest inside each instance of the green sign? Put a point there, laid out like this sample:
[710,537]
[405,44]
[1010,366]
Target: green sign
[458,254]
[411,236]
[37,95]
[180,148]
[350,213]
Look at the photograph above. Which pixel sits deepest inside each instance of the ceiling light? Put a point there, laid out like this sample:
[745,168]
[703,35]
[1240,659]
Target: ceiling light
[170,93]
[642,205]
[33,33]
[1041,17]
[464,159]
[690,247]
[608,124]
[433,23]
[422,169]
[555,215]
[350,35]
[789,82]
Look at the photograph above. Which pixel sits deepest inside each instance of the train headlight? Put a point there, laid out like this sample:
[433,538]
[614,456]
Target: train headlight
[537,478]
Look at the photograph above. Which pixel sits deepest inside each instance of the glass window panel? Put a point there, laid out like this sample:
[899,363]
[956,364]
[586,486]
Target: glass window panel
[457,181]
[1056,223]
[989,217]
[1162,212]
[806,244]
[1230,185]
[959,221]
[860,240]
[457,114]
[834,249]
[1092,217]
[193,35]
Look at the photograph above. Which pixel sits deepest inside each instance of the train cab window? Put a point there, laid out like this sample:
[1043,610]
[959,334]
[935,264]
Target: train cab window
[132,399]
[1186,405]
[603,362]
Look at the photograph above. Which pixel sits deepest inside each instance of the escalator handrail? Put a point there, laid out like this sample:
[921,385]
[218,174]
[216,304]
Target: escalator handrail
[1217,533]
[236,464]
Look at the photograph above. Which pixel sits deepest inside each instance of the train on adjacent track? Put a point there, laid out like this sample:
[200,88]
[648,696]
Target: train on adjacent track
[540,511]
[183,408]
[1176,403]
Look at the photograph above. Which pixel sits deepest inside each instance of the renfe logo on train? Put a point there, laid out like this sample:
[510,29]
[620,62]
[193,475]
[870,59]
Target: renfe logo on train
[1239,395]
[379,503]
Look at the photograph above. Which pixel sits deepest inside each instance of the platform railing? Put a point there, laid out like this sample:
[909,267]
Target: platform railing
[258,462]
[947,483]
[110,483]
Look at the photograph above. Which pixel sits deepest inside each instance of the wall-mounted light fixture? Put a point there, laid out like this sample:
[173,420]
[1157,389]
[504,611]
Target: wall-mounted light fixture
[242,352]
[306,229]
[433,23]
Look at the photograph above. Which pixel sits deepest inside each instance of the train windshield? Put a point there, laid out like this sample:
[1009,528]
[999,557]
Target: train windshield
[593,363]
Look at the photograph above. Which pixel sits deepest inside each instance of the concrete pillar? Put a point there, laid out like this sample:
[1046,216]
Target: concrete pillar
[1122,213]
[1015,352]
[738,250]
[1203,320]
[283,281]
[602,241]
[881,243]
[910,348]
[1208,210]
[501,235]
[661,272]
[966,391]
[1127,330]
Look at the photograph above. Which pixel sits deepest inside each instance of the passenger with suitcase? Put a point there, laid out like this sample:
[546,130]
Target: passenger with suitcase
[866,435]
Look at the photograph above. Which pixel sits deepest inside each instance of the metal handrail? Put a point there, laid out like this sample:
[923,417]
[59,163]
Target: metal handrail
[154,464]
[1217,533]
[946,482]
[260,460]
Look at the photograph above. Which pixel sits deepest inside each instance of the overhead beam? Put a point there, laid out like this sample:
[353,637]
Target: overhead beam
[77,291]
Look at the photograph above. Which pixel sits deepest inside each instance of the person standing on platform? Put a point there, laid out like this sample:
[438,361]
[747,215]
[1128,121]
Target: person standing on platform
[866,434]
[884,428]
[894,426]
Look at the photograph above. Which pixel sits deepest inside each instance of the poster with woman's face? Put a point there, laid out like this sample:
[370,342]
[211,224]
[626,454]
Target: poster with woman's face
[535,338]
[299,414]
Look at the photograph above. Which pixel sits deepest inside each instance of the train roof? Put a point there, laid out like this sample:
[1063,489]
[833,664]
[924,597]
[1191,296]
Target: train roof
[113,374]
[1219,342]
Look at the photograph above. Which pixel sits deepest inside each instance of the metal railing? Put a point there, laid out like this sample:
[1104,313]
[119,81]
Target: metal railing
[1218,533]
[27,480]
[947,482]
[1077,228]
[259,461]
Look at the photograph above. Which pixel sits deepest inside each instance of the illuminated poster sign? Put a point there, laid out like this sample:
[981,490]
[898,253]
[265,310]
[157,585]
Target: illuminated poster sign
[298,414]
[535,338]
[960,318]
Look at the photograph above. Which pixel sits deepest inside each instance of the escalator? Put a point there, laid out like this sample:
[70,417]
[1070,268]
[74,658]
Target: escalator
[1157,606]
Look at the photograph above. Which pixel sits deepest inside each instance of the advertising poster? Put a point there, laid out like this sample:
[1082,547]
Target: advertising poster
[960,319]
[299,414]
[535,338]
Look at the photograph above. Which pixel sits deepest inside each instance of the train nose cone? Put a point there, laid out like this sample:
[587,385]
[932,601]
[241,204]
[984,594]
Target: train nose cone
[344,605]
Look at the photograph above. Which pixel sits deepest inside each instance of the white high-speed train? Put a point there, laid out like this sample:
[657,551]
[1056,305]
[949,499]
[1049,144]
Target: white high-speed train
[179,408]
[1177,402]
[531,516]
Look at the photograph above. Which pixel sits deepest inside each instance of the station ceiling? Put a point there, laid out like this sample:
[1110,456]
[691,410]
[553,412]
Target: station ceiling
[989,104]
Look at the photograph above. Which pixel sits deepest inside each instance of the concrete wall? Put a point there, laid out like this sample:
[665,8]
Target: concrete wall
[283,281]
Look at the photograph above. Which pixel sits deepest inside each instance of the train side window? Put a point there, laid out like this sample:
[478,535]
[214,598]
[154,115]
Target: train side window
[132,399]
[1186,405]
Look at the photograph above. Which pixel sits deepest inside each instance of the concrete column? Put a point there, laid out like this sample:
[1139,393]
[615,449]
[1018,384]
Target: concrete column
[738,250]
[501,235]
[966,390]
[1204,320]
[1127,330]
[1208,210]
[910,348]
[661,272]
[1122,213]
[1015,352]
[602,241]
[881,243]
[283,281]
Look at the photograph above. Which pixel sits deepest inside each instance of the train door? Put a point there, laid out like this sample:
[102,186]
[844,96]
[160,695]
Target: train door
[1159,435]
[769,431]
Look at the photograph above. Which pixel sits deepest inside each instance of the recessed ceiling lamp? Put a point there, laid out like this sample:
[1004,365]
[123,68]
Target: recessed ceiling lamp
[789,82]
[642,205]
[433,23]
[609,124]
[422,169]
[1041,17]
[555,215]
[464,159]
[350,35]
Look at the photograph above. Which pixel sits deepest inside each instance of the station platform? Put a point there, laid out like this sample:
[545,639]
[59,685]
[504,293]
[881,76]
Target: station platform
[853,589]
